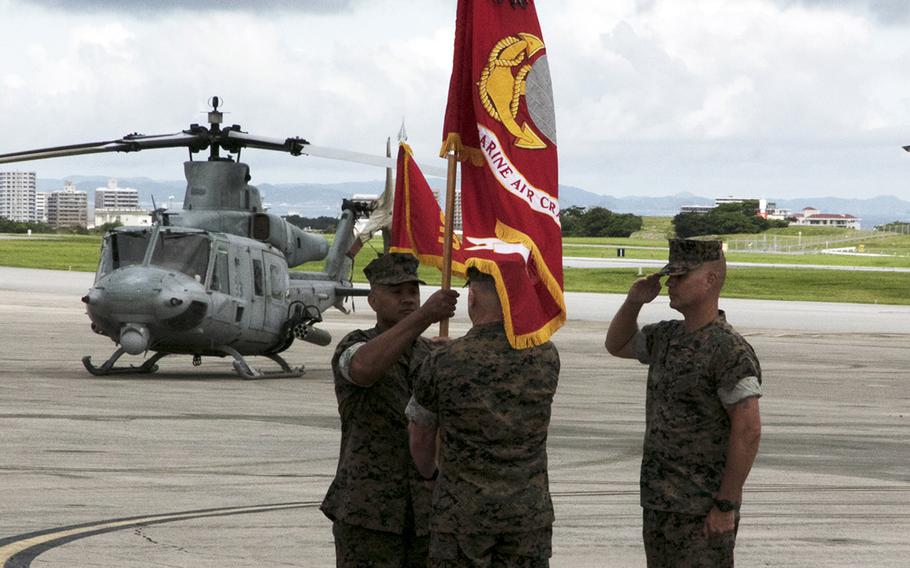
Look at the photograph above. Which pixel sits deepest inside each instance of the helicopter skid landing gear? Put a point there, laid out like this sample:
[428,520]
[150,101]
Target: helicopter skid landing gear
[108,368]
[245,371]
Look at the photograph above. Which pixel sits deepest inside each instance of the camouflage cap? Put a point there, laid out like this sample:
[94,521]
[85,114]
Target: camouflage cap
[689,254]
[393,268]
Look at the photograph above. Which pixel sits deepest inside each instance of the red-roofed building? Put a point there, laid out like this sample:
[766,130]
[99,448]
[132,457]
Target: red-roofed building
[810,216]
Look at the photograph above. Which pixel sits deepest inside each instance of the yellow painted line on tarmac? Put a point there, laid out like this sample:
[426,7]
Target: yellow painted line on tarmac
[8,551]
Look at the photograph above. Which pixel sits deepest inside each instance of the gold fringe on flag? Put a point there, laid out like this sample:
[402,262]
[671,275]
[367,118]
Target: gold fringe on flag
[464,153]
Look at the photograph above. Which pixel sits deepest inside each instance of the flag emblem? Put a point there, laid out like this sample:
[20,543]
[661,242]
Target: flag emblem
[505,79]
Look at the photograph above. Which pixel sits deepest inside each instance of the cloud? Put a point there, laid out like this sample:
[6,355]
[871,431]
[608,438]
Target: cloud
[716,97]
[709,69]
[887,12]
[705,95]
[164,6]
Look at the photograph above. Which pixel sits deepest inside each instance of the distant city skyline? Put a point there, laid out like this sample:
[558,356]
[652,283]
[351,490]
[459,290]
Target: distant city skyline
[779,98]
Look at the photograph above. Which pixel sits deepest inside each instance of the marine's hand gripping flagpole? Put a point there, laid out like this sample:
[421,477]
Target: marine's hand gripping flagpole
[452,159]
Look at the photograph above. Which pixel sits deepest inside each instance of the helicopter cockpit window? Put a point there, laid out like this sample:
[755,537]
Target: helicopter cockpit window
[257,277]
[238,280]
[186,252]
[220,279]
[123,249]
[104,263]
[279,282]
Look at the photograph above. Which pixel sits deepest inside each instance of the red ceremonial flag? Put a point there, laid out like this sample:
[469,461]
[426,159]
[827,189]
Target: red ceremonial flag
[418,224]
[500,122]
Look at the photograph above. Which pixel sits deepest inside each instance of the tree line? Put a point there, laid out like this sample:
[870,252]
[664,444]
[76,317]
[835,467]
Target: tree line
[728,218]
[597,222]
[323,224]
[16,227]
[725,219]
[10,226]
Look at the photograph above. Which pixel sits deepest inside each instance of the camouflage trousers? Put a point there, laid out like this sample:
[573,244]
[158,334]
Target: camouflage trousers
[357,547]
[530,549]
[677,540]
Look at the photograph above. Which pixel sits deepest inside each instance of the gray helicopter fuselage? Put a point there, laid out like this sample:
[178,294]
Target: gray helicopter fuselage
[191,291]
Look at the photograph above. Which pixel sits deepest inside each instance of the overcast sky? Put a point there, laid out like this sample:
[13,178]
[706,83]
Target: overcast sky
[764,98]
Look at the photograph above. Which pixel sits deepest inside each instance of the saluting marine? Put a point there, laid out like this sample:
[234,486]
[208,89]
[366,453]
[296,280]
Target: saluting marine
[702,415]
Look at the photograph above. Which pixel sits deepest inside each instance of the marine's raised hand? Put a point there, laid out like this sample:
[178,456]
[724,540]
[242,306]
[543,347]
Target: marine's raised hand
[644,290]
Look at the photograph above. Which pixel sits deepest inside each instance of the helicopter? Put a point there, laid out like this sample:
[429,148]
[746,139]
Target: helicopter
[213,280]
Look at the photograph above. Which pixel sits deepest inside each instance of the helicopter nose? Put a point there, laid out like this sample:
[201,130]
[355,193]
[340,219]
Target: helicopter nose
[92,297]
[134,338]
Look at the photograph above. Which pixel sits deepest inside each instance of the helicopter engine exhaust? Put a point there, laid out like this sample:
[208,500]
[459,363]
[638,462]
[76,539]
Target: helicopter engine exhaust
[134,338]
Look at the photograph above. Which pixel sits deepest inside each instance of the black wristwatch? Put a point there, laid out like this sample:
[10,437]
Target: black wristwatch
[725,506]
[432,477]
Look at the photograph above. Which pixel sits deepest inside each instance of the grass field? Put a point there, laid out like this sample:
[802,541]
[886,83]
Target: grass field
[662,252]
[80,253]
[54,252]
[769,284]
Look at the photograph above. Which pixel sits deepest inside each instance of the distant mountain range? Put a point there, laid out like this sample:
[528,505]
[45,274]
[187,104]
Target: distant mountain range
[873,211]
[315,200]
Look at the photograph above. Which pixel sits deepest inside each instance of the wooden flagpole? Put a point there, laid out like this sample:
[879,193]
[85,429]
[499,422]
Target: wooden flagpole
[452,158]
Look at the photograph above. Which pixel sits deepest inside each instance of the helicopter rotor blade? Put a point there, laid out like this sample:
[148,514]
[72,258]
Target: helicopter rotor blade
[297,146]
[199,138]
[368,159]
[349,156]
[246,140]
[129,143]
[61,151]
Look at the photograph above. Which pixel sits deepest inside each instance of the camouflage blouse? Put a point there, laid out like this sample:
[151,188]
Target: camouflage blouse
[492,403]
[687,426]
[376,485]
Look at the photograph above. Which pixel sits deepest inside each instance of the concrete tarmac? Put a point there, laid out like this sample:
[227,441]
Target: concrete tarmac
[196,467]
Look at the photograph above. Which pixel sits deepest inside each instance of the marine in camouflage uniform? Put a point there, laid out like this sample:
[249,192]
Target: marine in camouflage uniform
[490,405]
[702,418]
[378,503]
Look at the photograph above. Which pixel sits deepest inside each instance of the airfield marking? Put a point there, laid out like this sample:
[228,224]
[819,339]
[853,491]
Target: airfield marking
[19,551]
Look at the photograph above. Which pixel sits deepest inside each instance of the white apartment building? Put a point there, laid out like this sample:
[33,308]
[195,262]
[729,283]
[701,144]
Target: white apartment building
[120,205]
[113,197]
[41,206]
[695,208]
[17,196]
